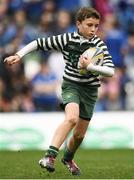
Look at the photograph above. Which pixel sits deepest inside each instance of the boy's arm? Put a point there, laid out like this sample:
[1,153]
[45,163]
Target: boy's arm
[25,50]
[101,70]
[107,67]
[49,43]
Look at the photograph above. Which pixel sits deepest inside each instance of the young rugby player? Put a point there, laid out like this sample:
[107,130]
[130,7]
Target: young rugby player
[79,92]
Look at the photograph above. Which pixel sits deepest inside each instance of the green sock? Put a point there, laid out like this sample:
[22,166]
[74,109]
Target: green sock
[52,151]
[68,155]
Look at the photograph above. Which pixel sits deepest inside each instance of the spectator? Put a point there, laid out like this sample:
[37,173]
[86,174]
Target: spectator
[46,24]
[113,102]
[7,35]
[125,13]
[64,22]
[69,5]
[129,54]
[114,38]
[103,6]
[2,90]
[3,8]
[33,10]
[44,86]
[27,104]
[57,68]
[25,32]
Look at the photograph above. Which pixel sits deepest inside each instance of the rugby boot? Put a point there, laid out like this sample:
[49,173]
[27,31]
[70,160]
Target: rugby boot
[72,167]
[48,163]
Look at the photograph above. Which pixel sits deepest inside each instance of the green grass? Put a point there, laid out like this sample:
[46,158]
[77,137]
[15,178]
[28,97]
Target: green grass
[94,164]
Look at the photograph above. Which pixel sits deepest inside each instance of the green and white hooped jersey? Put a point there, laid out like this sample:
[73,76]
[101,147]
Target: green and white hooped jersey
[72,45]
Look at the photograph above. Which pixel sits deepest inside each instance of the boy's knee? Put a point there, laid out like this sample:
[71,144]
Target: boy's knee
[72,120]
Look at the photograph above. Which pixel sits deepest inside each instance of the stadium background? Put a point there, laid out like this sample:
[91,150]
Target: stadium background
[30,91]
[24,20]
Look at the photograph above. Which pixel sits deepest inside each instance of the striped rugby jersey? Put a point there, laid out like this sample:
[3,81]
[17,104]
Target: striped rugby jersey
[72,45]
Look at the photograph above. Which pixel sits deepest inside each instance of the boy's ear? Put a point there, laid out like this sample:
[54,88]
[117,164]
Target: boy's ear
[78,23]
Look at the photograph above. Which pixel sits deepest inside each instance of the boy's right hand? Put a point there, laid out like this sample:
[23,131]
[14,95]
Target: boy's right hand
[12,59]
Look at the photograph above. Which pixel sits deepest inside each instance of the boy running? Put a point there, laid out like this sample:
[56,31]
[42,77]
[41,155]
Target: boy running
[79,92]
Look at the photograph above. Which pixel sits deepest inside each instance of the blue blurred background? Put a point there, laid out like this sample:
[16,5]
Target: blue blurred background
[34,85]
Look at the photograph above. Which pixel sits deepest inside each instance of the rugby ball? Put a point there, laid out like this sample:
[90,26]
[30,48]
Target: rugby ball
[95,54]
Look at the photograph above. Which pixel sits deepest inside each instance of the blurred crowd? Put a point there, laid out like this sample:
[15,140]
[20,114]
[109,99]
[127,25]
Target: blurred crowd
[34,85]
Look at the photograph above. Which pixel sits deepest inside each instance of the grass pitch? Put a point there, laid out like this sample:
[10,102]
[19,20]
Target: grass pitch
[94,164]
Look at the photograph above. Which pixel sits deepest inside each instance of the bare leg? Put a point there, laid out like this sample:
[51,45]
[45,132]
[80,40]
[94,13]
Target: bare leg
[71,118]
[75,141]
[78,135]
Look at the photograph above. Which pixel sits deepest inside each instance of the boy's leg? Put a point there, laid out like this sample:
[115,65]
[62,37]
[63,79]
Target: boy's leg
[71,118]
[78,135]
[74,143]
[88,97]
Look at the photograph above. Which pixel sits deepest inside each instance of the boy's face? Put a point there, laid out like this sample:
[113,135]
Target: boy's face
[88,27]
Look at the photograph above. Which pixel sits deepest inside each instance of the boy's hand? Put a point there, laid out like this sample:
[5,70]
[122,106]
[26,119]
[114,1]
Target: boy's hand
[12,59]
[84,62]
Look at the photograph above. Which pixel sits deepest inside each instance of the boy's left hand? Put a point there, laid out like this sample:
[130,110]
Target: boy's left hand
[84,62]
